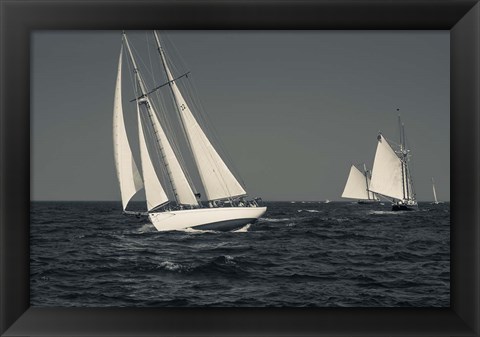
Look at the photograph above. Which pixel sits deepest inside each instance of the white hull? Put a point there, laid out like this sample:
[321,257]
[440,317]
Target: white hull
[222,218]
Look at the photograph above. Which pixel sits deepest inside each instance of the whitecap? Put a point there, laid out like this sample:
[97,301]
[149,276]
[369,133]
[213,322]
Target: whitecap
[169,265]
[147,227]
[244,229]
[229,260]
[385,212]
[276,220]
[197,231]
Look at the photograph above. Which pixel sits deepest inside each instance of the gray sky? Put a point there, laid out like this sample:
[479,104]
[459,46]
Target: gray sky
[293,109]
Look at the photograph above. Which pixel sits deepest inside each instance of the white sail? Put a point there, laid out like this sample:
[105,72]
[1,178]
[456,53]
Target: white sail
[387,176]
[154,192]
[356,186]
[217,179]
[128,176]
[434,192]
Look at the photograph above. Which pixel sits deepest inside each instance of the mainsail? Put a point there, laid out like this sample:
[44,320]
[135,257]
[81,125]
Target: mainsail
[387,172]
[128,176]
[356,186]
[217,179]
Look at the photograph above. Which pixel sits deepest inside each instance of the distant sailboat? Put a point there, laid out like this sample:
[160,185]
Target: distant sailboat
[391,176]
[173,202]
[435,202]
[357,186]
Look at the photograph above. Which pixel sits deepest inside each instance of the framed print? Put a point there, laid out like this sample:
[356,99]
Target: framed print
[53,85]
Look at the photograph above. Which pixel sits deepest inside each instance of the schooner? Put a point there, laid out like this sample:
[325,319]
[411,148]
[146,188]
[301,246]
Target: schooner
[391,174]
[173,202]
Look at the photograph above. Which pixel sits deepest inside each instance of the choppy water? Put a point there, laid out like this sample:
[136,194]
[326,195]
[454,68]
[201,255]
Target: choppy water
[88,254]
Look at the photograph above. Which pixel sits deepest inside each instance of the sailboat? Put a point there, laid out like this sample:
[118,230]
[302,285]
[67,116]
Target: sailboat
[391,175]
[357,186]
[435,202]
[173,202]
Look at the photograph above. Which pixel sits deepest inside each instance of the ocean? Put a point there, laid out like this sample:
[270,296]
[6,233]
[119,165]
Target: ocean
[299,254]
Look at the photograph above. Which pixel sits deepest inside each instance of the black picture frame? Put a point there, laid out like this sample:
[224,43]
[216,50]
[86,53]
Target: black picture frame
[19,18]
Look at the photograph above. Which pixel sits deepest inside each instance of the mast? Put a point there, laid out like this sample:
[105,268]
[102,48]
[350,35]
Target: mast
[405,160]
[401,154]
[390,173]
[365,172]
[170,78]
[145,101]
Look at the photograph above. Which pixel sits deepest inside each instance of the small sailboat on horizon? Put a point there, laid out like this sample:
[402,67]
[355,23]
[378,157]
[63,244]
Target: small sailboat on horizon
[357,186]
[173,202]
[435,200]
[391,174]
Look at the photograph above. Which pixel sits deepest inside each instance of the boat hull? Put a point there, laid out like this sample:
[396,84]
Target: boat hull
[221,218]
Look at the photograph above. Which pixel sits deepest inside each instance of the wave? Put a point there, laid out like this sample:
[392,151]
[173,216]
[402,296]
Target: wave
[367,253]
[197,231]
[146,228]
[244,229]
[223,265]
[276,220]
[386,212]
[333,219]
[172,266]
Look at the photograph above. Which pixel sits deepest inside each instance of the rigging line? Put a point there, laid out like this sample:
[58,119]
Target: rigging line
[157,142]
[206,123]
[179,65]
[175,145]
[145,138]
[209,157]
[149,134]
[177,153]
[409,165]
[142,67]
[390,142]
[134,87]
[203,145]
[213,163]
[160,108]
[163,157]
[182,127]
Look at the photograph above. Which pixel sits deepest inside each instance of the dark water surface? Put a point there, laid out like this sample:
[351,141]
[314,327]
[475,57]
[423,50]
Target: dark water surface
[87,254]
